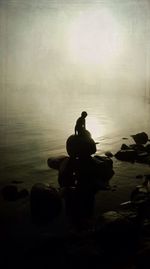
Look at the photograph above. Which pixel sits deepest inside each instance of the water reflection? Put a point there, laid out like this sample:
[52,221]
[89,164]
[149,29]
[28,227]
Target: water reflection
[32,133]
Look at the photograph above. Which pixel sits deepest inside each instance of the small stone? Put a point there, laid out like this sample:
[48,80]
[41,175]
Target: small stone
[108,154]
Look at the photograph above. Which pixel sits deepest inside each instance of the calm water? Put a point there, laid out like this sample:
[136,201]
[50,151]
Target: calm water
[33,129]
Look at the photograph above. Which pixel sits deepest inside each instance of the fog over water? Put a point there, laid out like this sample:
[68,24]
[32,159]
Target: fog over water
[58,58]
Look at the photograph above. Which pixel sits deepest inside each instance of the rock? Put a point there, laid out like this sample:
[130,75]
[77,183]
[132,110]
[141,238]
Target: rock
[140,138]
[45,202]
[55,162]
[134,152]
[104,159]
[10,193]
[108,154]
[137,147]
[90,173]
[95,173]
[147,148]
[115,232]
[124,147]
[126,155]
[78,146]
[142,157]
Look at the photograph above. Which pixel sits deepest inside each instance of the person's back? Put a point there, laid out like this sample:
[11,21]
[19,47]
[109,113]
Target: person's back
[80,126]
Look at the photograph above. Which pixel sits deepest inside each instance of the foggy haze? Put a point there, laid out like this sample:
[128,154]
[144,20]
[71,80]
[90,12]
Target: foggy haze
[35,46]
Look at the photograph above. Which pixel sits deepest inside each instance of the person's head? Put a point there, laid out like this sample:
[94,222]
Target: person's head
[83,114]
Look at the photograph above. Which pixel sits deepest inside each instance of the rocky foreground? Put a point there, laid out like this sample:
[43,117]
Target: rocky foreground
[58,228]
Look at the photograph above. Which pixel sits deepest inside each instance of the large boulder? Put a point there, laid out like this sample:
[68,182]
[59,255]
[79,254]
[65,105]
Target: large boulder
[78,145]
[87,173]
[140,138]
[126,155]
[132,153]
[55,162]
[45,202]
[96,172]
[115,232]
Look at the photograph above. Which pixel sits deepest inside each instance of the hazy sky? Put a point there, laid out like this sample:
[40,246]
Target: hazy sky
[75,45]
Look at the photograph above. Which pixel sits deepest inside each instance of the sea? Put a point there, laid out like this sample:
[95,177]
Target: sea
[36,125]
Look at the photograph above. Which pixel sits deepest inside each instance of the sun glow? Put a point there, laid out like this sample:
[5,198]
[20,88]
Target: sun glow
[94,127]
[94,38]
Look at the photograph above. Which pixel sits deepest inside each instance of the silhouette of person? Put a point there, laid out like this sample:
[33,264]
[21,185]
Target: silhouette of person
[80,126]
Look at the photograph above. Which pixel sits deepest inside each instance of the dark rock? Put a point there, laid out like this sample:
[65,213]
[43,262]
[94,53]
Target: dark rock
[126,155]
[45,202]
[10,193]
[115,232]
[125,138]
[90,173]
[140,138]
[137,147]
[79,146]
[104,159]
[124,147]
[147,148]
[55,162]
[95,172]
[141,157]
[108,154]
[134,152]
